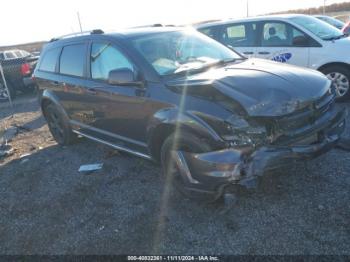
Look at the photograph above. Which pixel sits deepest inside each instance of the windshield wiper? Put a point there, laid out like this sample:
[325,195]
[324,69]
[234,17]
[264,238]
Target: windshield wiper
[336,37]
[207,65]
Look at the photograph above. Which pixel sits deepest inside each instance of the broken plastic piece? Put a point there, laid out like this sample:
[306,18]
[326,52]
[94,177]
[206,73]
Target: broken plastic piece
[90,168]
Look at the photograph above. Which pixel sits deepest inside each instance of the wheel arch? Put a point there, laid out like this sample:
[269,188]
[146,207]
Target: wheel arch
[163,127]
[50,98]
[342,64]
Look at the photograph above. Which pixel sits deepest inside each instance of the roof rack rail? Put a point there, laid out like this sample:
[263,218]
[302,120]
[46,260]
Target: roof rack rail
[91,32]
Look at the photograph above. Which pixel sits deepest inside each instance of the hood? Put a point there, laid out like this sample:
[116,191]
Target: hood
[261,87]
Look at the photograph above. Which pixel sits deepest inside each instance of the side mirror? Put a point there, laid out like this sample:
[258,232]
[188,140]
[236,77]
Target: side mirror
[300,41]
[123,77]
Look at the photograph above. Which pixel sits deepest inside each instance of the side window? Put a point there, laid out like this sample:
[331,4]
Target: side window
[10,55]
[276,34]
[282,35]
[240,35]
[49,60]
[72,60]
[2,57]
[208,31]
[18,54]
[105,58]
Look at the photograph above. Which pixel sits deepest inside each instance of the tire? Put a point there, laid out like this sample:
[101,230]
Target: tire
[170,173]
[340,77]
[59,125]
[3,93]
[28,89]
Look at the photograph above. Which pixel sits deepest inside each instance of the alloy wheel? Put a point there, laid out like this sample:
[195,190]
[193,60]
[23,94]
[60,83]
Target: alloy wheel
[340,83]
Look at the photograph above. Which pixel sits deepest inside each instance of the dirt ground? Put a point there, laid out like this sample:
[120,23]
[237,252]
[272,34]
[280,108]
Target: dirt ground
[48,207]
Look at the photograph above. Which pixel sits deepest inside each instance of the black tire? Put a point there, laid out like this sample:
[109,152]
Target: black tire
[332,72]
[59,125]
[3,92]
[28,89]
[170,174]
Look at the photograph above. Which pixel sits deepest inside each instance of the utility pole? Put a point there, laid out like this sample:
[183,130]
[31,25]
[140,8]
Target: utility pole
[78,15]
[247,8]
[324,7]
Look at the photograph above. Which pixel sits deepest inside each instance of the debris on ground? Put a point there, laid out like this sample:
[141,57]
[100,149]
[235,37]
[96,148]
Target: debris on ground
[8,135]
[6,150]
[90,167]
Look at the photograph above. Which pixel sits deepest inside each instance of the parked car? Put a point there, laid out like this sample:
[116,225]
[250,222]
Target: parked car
[346,28]
[295,39]
[331,20]
[213,118]
[18,66]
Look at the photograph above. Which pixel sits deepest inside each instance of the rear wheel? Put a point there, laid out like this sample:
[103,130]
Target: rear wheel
[59,125]
[171,173]
[340,77]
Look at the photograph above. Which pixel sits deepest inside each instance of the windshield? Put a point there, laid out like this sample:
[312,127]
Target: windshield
[174,52]
[317,27]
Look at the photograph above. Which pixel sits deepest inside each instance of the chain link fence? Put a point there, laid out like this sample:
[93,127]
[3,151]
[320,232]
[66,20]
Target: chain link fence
[4,90]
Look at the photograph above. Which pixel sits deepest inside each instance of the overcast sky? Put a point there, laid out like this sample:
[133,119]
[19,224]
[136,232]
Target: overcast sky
[27,21]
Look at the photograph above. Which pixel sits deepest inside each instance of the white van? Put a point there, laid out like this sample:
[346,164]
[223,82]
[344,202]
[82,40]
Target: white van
[296,39]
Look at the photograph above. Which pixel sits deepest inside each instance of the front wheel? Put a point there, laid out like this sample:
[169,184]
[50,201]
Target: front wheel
[171,174]
[340,77]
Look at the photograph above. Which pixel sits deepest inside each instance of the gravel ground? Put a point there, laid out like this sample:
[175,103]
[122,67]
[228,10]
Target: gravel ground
[48,207]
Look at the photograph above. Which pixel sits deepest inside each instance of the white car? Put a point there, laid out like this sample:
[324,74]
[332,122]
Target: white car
[295,39]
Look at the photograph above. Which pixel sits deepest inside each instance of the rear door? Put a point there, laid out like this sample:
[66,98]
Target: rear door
[70,84]
[279,41]
[240,36]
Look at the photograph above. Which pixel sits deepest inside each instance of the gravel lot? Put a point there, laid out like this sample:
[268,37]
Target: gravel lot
[48,207]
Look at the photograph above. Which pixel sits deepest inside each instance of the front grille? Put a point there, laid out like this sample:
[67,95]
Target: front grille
[291,128]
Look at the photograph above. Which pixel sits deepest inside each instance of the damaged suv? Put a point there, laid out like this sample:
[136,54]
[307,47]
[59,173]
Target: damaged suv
[213,118]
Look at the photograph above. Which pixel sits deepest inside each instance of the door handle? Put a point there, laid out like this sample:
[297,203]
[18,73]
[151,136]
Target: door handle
[248,53]
[264,53]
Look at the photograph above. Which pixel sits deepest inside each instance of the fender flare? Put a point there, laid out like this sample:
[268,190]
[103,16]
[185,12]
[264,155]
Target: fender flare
[167,121]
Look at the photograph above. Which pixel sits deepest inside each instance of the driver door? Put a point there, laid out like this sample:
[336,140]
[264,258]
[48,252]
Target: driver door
[279,42]
[118,113]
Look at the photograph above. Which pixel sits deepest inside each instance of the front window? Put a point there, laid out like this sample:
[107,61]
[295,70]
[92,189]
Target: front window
[317,27]
[175,52]
[105,58]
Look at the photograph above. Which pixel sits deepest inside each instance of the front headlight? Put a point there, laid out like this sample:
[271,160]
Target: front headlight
[241,133]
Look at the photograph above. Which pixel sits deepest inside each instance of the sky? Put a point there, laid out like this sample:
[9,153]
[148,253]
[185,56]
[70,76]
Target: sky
[24,21]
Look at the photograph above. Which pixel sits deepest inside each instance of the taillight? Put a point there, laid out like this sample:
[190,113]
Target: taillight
[25,69]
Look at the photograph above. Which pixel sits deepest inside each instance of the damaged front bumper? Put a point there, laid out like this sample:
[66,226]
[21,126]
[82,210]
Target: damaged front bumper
[213,171]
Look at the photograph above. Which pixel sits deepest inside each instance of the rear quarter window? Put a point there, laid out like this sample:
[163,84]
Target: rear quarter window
[73,60]
[49,60]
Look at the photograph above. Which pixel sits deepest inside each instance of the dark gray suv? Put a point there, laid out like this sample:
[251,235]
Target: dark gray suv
[214,119]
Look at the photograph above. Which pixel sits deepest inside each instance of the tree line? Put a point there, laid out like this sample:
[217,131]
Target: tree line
[340,7]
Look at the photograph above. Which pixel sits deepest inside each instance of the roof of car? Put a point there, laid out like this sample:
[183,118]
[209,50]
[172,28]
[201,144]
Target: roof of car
[248,19]
[123,33]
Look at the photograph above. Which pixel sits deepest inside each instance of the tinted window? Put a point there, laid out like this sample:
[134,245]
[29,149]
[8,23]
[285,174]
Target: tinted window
[208,31]
[18,54]
[72,60]
[49,60]
[280,34]
[10,55]
[105,58]
[240,35]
